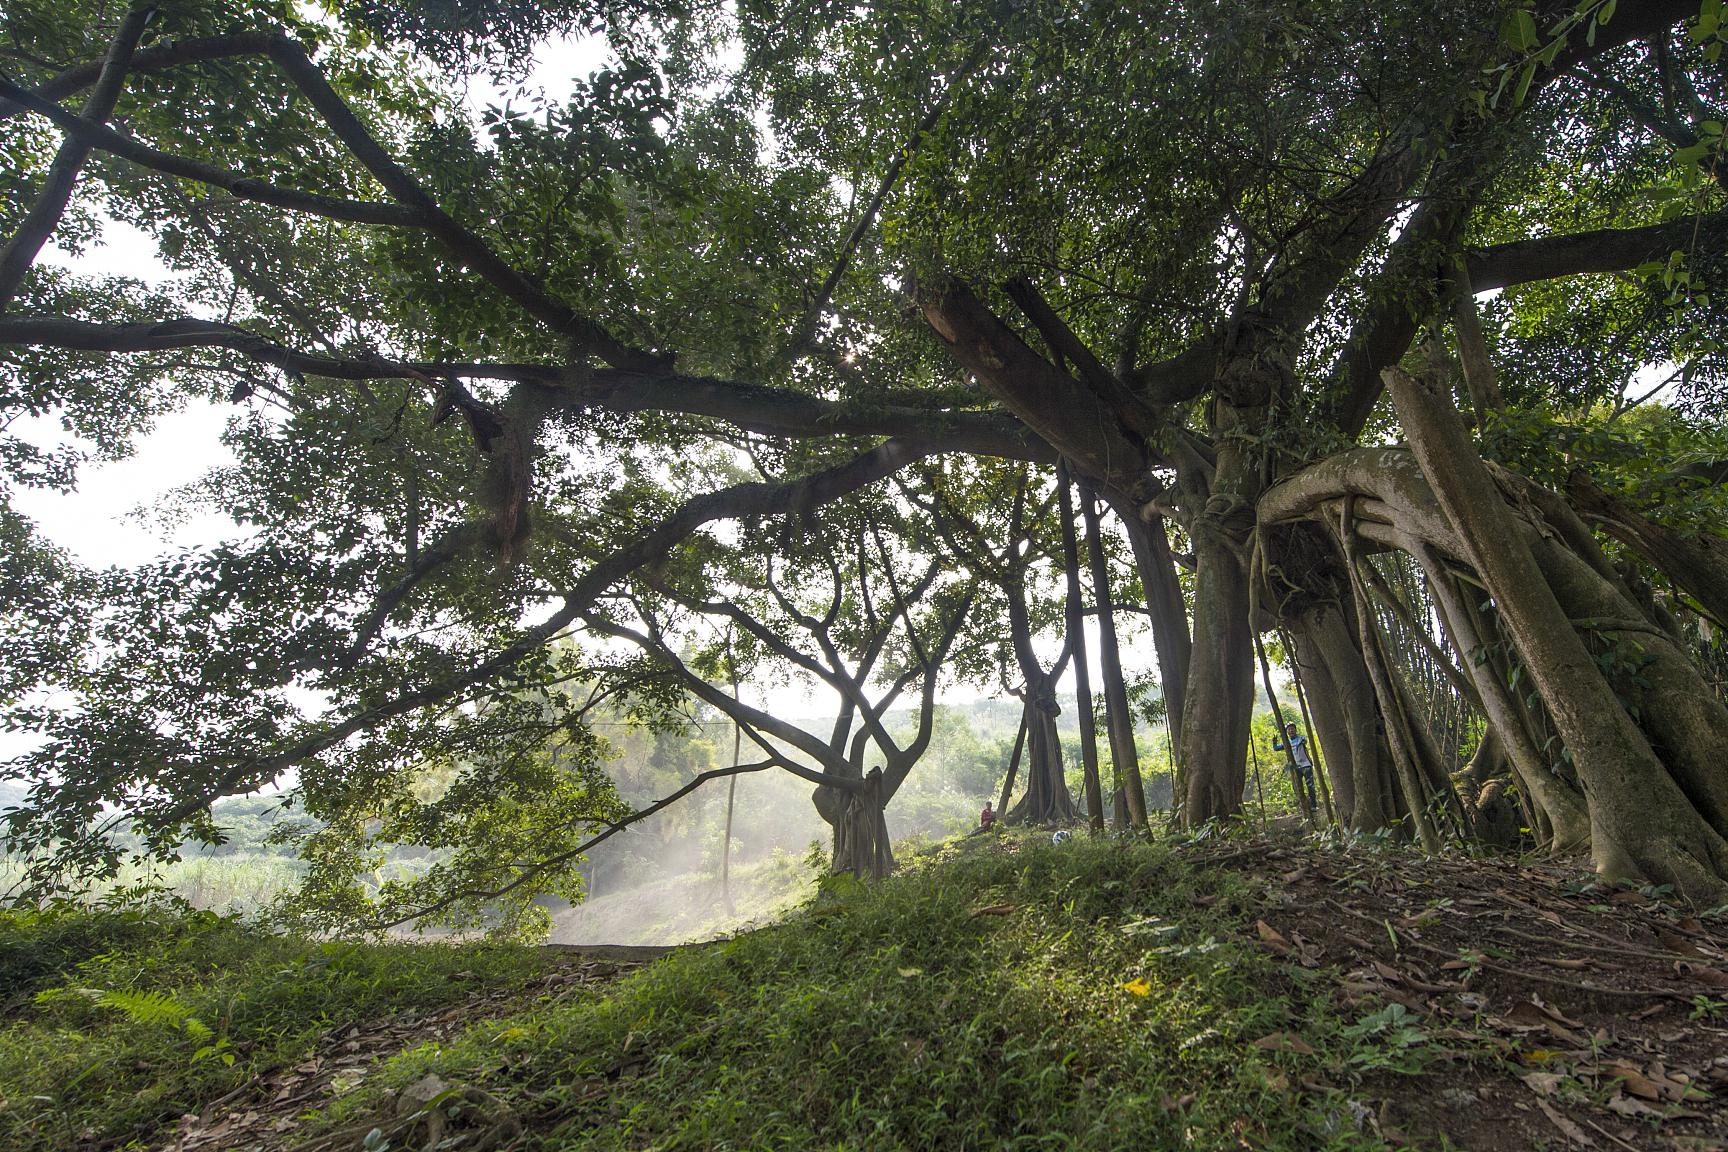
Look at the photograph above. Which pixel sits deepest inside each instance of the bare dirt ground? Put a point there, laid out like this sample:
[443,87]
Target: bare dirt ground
[1608,1007]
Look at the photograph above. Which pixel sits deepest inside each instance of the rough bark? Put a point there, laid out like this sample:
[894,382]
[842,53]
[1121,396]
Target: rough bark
[39,223]
[1077,643]
[1642,824]
[1014,761]
[1370,808]
[1046,799]
[861,834]
[1325,710]
[1480,376]
[1118,717]
[1562,805]
[1675,707]
[1698,564]
[1164,605]
[1406,752]
[1215,718]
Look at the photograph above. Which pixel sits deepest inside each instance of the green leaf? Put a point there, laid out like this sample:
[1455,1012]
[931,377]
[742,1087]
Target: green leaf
[1524,79]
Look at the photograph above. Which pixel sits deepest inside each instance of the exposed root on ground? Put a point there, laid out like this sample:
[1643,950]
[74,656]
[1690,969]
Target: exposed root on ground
[1607,1007]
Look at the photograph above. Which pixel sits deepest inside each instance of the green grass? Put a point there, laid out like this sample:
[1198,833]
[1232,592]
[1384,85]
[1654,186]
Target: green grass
[877,1017]
[892,1017]
[118,1022]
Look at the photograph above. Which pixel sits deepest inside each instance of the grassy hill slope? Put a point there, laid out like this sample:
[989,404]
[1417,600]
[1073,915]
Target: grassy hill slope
[1002,992]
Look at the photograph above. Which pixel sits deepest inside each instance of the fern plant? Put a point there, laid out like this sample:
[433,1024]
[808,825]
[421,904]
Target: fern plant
[146,1007]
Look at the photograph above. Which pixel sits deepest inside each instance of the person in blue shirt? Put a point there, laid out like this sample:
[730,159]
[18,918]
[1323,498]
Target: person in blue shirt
[1304,762]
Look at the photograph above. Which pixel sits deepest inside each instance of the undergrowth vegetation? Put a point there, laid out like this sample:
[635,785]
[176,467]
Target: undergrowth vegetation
[1000,992]
[1083,995]
[118,1021]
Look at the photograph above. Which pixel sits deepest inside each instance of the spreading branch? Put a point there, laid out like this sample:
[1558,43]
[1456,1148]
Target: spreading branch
[541,867]
[739,501]
[39,223]
[1578,253]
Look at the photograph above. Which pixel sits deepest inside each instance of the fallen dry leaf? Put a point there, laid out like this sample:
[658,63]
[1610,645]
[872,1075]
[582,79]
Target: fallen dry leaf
[1630,1106]
[1284,1042]
[1633,1080]
[1554,1013]
[991,910]
[1571,1131]
[1528,1016]
[1542,1083]
[1702,973]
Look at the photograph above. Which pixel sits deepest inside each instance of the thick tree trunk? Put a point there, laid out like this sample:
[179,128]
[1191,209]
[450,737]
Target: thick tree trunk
[1120,720]
[1214,736]
[1494,814]
[1561,818]
[1642,824]
[1678,711]
[1325,710]
[1370,808]
[1405,751]
[1014,760]
[1075,618]
[861,834]
[1164,605]
[1047,798]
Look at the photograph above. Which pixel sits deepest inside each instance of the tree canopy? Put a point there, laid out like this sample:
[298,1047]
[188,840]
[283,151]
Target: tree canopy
[760,347]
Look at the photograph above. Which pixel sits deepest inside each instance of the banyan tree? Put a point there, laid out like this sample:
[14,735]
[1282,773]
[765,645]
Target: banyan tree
[1298,296]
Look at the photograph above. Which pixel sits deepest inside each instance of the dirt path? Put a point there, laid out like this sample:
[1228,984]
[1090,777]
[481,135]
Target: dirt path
[265,1114]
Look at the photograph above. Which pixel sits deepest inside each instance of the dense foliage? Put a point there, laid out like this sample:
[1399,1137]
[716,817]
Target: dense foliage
[754,352]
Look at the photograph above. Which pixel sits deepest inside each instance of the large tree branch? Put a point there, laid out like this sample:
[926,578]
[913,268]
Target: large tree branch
[902,760]
[1047,399]
[1675,131]
[418,208]
[180,333]
[1131,408]
[1420,253]
[541,867]
[1577,253]
[99,136]
[1184,376]
[446,548]
[781,412]
[806,330]
[464,244]
[753,407]
[44,215]
[156,58]
[1394,310]
[753,720]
